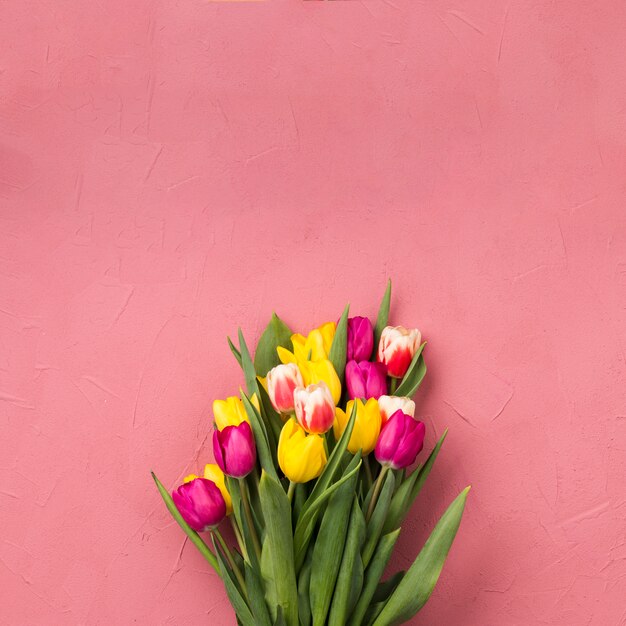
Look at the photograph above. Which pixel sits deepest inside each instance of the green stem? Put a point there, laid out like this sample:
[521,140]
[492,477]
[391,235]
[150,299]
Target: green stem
[247,509]
[394,386]
[368,472]
[377,487]
[240,541]
[231,560]
[290,491]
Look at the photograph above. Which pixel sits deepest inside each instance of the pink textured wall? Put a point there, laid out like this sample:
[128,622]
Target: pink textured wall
[170,170]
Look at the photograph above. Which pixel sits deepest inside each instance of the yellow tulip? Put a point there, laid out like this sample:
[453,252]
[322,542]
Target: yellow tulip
[314,372]
[231,412]
[315,346]
[366,425]
[301,457]
[213,472]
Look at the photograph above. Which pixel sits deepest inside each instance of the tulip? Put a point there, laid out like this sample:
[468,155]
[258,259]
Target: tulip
[201,503]
[213,473]
[360,339]
[315,408]
[301,457]
[365,379]
[390,404]
[366,425]
[231,412]
[322,371]
[397,347]
[315,346]
[281,382]
[400,441]
[234,450]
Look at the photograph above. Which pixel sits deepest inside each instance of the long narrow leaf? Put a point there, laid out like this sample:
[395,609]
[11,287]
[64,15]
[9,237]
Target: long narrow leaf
[329,544]
[420,579]
[256,597]
[383,315]
[234,350]
[192,534]
[232,590]
[260,437]
[277,565]
[339,347]
[350,578]
[414,375]
[377,521]
[373,573]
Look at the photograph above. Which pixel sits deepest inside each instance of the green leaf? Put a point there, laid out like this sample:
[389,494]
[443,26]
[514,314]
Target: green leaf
[234,350]
[271,419]
[379,515]
[383,315]
[339,347]
[304,602]
[303,531]
[256,597]
[414,375]
[373,574]
[350,578]
[232,590]
[260,437]
[277,565]
[276,333]
[247,366]
[306,521]
[192,534]
[406,493]
[420,579]
[329,544]
[234,488]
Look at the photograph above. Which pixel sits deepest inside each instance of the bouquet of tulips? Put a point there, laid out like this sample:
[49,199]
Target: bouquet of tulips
[313,475]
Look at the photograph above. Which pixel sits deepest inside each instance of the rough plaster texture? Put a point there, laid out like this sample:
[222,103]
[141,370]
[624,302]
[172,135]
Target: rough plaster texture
[170,170]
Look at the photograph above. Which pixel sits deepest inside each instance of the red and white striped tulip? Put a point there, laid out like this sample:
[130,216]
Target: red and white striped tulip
[282,381]
[315,407]
[397,347]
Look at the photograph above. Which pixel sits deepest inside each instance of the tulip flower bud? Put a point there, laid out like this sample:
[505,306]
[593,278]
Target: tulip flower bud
[201,503]
[213,473]
[365,379]
[390,404]
[281,382]
[366,425]
[315,408]
[397,347]
[301,457]
[231,412]
[360,339]
[400,441]
[234,450]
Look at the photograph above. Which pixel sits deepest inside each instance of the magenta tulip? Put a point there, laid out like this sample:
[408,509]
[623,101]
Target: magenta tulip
[360,339]
[400,441]
[234,450]
[365,379]
[201,503]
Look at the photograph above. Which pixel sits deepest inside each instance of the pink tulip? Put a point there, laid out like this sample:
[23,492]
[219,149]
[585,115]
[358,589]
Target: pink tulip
[360,339]
[365,379]
[281,383]
[400,441]
[201,503]
[397,347]
[234,450]
[315,408]
[390,404]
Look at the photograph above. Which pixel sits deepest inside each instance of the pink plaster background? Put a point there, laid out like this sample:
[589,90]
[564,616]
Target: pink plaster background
[170,170]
